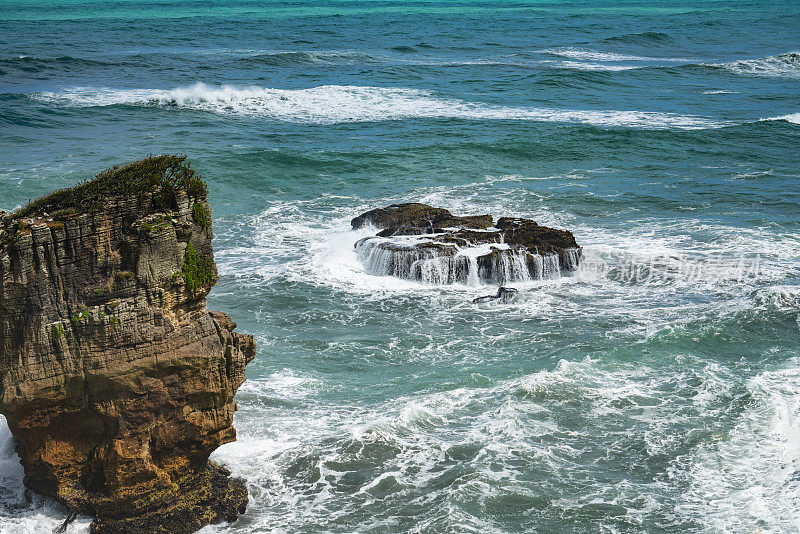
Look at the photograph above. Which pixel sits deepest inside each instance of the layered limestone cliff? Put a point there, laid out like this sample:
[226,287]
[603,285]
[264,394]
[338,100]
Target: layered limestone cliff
[116,380]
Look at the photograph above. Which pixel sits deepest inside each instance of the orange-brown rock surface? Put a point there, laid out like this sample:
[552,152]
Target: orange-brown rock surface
[116,380]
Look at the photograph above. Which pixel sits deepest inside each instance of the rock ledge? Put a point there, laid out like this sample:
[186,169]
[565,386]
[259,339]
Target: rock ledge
[431,245]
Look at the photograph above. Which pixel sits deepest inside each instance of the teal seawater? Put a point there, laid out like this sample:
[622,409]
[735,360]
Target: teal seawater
[656,390]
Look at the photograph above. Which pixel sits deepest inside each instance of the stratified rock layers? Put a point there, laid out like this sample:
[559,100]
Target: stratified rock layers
[116,380]
[431,245]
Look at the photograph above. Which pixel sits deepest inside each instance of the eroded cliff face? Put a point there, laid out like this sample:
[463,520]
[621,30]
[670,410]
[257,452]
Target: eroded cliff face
[116,380]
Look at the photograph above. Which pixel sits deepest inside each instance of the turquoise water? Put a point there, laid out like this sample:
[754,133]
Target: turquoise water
[656,390]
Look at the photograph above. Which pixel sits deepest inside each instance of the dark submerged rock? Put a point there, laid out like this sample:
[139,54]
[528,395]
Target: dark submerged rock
[505,294]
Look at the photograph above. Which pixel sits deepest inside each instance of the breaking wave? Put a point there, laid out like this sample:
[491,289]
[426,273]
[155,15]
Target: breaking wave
[750,477]
[794,118]
[781,66]
[331,104]
[596,55]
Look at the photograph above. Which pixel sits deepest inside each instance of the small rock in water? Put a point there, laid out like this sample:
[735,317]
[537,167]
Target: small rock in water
[431,245]
[505,294]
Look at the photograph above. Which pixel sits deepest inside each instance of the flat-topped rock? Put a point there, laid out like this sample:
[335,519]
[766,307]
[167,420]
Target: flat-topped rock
[413,218]
[421,242]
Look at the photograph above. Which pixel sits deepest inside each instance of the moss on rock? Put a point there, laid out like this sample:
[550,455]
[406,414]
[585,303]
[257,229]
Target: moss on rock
[155,174]
[200,215]
[198,269]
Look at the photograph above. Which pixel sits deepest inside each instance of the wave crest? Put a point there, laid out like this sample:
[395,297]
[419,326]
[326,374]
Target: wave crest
[331,104]
[598,55]
[296,57]
[782,66]
[641,38]
[794,118]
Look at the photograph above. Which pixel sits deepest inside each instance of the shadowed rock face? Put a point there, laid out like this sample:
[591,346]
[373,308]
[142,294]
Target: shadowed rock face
[116,380]
[420,242]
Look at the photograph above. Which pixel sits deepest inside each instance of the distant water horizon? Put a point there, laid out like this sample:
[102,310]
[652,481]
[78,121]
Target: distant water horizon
[655,389]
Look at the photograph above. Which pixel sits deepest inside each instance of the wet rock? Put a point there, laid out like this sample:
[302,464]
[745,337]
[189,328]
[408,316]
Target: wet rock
[504,294]
[408,219]
[514,249]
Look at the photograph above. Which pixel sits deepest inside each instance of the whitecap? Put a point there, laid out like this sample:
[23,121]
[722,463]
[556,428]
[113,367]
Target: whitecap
[596,67]
[781,66]
[406,444]
[794,118]
[332,104]
[748,480]
[597,55]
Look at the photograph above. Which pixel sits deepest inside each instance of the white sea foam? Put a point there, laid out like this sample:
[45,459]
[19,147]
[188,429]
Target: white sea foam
[322,255]
[330,104]
[290,242]
[396,448]
[321,251]
[748,480]
[780,297]
[794,118]
[597,67]
[597,55]
[296,241]
[284,385]
[300,464]
[781,66]
[595,60]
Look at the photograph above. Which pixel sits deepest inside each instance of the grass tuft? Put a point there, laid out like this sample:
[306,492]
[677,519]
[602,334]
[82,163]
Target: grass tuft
[154,174]
[56,333]
[198,270]
[200,216]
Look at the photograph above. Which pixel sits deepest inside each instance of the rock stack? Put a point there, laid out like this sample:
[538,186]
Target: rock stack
[116,380]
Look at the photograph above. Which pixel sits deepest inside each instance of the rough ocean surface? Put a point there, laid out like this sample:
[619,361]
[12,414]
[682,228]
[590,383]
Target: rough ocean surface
[654,389]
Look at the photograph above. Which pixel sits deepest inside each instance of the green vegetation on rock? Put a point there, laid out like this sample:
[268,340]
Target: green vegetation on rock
[155,174]
[57,332]
[80,317]
[198,270]
[200,215]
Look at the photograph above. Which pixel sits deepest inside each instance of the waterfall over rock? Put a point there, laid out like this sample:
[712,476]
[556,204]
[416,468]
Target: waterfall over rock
[430,245]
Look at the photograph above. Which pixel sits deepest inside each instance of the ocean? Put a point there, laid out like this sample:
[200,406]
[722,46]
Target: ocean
[656,389]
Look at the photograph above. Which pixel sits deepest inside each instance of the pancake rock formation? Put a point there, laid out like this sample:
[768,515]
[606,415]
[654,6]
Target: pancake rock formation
[431,245]
[116,380]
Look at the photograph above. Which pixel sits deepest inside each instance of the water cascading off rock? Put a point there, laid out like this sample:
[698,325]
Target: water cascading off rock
[431,245]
